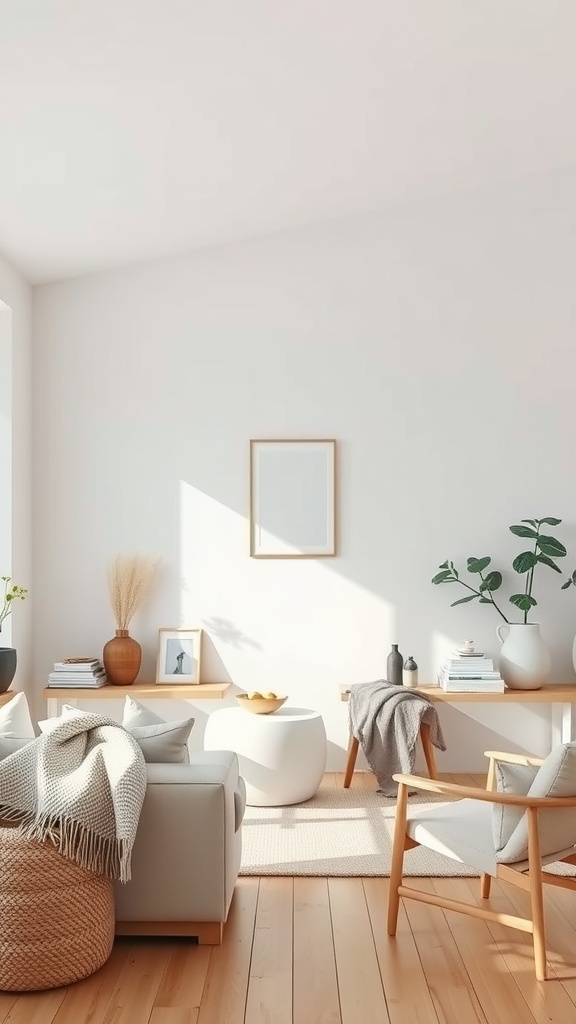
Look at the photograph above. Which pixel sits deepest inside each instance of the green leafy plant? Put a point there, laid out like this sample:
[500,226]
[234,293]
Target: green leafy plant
[544,550]
[570,582]
[11,593]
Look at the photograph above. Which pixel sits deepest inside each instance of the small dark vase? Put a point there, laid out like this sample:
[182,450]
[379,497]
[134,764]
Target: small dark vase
[394,665]
[122,656]
[7,667]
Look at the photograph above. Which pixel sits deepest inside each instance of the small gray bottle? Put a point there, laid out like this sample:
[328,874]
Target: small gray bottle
[394,663]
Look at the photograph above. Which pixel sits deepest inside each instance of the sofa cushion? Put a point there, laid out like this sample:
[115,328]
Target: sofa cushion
[160,741]
[16,728]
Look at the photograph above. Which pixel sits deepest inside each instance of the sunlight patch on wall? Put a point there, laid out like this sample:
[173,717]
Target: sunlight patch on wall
[5,451]
[283,624]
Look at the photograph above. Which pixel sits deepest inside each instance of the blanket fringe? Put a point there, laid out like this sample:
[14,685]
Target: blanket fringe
[93,852]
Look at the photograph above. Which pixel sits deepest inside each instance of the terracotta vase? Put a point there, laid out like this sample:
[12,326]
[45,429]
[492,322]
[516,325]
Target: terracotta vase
[122,656]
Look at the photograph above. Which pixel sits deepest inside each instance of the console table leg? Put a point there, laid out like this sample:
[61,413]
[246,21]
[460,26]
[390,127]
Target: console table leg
[562,731]
[428,748]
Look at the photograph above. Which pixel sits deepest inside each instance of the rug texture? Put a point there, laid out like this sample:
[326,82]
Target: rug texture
[338,832]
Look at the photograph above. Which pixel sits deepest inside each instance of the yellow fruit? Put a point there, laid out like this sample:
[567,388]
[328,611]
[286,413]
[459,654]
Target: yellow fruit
[270,696]
[255,696]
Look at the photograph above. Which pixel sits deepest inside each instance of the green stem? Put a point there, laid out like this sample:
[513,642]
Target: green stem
[530,577]
[482,593]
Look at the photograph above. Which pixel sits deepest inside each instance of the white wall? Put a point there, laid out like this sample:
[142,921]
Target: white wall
[16,415]
[436,343]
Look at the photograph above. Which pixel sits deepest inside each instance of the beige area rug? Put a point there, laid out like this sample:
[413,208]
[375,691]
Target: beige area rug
[338,832]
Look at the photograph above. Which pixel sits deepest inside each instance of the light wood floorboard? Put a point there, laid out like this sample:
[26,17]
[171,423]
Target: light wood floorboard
[316,951]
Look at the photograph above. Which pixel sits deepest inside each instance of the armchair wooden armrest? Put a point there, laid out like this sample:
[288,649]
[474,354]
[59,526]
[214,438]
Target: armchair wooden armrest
[472,793]
[500,755]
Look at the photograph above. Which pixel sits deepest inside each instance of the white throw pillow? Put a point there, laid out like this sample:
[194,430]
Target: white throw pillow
[557,827]
[161,742]
[49,724]
[16,728]
[510,778]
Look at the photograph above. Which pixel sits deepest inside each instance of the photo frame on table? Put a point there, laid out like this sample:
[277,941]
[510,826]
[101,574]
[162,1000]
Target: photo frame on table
[179,656]
[292,498]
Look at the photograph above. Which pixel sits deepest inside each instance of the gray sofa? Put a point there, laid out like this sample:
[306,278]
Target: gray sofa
[186,857]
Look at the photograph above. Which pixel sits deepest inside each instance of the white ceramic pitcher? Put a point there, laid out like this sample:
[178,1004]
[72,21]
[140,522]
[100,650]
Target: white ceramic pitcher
[524,658]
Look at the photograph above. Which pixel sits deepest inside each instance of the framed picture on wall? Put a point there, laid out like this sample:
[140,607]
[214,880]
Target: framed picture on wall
[292,498]
[179,655]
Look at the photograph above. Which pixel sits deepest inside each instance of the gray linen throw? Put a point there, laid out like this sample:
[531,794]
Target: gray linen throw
[81,785]
[386,719]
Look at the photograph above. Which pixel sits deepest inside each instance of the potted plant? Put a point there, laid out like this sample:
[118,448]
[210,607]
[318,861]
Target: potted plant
[8,654]
[524,658]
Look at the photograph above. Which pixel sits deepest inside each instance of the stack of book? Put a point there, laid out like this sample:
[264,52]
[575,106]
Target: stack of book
[470,672]
[78,672]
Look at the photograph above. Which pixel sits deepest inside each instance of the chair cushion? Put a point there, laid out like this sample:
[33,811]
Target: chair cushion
[160,741]
[510,778]
[557,827]
[461,830]
[16,728]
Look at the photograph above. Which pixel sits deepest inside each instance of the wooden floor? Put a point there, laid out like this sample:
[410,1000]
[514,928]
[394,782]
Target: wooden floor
[315,951]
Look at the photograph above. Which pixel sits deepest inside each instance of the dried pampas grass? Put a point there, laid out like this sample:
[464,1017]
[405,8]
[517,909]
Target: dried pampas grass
[129,583]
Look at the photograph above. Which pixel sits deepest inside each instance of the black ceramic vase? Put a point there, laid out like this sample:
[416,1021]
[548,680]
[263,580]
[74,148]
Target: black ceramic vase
[7,667]
[394,664]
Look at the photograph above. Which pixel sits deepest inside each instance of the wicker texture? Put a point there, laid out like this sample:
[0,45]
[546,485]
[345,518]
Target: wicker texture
[57,919]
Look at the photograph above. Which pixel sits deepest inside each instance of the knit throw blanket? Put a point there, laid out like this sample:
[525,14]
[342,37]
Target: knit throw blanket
[81,785]
[386,719]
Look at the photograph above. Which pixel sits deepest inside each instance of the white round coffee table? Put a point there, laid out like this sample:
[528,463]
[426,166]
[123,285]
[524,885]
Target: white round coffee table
[282,756]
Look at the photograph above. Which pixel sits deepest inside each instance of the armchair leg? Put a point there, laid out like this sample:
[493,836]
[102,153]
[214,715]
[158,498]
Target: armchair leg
[485,883]
[397,858]
[536,896]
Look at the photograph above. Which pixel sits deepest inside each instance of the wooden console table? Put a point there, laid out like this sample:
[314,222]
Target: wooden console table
[561,697]
[143,691]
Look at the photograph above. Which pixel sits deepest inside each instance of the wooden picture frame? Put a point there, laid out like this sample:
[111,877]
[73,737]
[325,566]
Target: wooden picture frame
[293,498]
[179,656]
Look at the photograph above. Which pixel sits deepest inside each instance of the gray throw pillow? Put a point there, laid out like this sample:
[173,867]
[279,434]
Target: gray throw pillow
[161,742]
[557,827]
[510,778]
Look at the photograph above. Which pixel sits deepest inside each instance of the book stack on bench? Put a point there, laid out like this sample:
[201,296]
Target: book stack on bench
[78,672]
[471,671]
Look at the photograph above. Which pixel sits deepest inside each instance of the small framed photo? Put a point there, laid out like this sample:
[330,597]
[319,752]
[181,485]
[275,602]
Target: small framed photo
[179,656]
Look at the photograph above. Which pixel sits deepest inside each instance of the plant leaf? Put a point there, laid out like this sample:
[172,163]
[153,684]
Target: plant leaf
[486,600]
[551,546]
[548,561]
[444,565]
[443,577]
[464,600]
[523,531]
[551,521]
[478,564]
[525,561]
[567,584]
[493,581]
[533,522]
[523,601]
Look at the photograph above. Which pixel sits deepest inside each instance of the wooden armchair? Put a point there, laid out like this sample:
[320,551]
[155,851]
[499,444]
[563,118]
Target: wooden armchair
[501,831]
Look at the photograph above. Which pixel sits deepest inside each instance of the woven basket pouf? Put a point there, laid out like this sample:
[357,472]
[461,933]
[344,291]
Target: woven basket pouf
[57,920]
